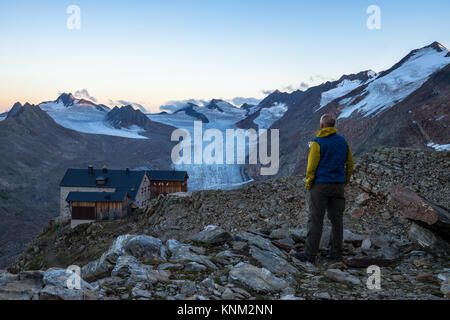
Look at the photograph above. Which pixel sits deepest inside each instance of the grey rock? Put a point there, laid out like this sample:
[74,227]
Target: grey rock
[298,235]
[341,276]
[170,266]
[147,249]
[366,244]
[24,286]
[280,234]
[182,254]
[239,245]
[228,294]
[445,289]
[256,279]
[194,267]
[138,293]
[188,288]
[260,242]
[211,235]
[423,237]
[322,295]
[291,297]
[362,199]
[57,282]
[271,261]
[102,267]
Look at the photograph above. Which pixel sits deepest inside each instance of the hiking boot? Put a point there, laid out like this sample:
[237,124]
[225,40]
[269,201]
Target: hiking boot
[304,258]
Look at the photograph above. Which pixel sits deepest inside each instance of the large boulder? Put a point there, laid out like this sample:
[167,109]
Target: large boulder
[147,249]
[424,237]
[130,268]
[102,267]
[257,279]
[57,282]
[23,286]
[211,235]
[182,254]
[260,242]
[271,261]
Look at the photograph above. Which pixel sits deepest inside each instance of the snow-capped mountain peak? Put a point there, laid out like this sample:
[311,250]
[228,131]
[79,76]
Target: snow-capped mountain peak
[67,99]
[395,84]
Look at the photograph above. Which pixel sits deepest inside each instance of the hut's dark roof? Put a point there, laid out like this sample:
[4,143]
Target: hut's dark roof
[167,175]
[121,180]
[118,196]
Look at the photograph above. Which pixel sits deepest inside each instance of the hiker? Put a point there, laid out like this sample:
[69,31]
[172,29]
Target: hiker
[330,166]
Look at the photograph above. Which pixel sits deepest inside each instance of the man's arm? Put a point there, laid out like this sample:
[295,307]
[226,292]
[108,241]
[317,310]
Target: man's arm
[349,165]
[313,162]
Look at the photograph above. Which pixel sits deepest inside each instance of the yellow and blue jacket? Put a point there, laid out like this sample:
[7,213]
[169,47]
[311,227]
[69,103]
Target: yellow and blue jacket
[330,159]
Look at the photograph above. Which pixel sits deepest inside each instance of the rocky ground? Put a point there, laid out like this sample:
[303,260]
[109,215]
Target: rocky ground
[238,244]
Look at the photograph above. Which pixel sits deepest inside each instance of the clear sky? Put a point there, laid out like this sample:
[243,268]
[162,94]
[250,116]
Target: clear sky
[151,52]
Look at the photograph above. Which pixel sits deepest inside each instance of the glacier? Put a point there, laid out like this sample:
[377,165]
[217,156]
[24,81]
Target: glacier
[267,116]
[209,176]
[87,119]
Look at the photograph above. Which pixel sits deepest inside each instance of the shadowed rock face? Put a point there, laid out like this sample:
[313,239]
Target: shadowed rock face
[127,117]
[190,111]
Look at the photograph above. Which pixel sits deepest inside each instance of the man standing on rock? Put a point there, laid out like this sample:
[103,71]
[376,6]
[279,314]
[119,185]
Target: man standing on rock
[330,166]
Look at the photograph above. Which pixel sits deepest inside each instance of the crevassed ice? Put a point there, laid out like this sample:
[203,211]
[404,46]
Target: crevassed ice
[383,93]
[439,147]
[87,119]
[208,176]
[341,89]
[267,116]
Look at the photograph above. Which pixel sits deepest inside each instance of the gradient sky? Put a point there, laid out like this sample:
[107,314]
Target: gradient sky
[151,52]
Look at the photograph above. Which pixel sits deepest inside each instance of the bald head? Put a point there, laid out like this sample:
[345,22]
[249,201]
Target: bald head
[327,120]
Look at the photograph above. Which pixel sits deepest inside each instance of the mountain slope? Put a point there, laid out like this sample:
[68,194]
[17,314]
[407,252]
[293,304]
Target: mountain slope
[405,106]
[36,151]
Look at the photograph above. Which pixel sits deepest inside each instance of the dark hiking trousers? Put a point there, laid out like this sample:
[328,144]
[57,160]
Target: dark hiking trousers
[325,197]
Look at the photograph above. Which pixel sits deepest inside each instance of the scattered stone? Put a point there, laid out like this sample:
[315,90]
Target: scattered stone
[445,289]
[227,294]
[188,288]
[366,244]
[194,267]
[280,234]
[271,261]
[341,276]
[364,262]
[423,237]
[182,254]
[291,297]
[422,263]
[362,199]
[322,295]
[357,213]
[147,249]
[299,235]
[427,278]
[239,245]
[211,235]
[260,242]
[170,266]
[257,279]
[286,243]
